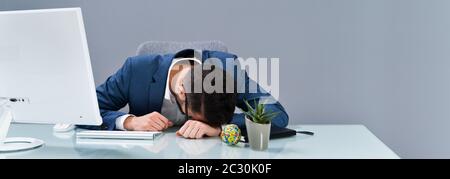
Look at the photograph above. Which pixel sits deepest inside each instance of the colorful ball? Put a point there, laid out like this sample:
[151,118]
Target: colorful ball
[231,134]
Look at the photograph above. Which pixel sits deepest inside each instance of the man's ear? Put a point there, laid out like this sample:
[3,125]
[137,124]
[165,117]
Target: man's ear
[181,93]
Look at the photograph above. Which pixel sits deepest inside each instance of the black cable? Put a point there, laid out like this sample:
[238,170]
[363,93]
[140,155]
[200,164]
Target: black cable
[306,133]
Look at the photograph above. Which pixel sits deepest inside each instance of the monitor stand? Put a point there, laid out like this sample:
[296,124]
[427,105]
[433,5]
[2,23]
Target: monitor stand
[13,144]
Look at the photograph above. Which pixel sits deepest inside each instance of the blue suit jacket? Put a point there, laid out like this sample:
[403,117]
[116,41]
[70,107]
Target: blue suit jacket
[141,83]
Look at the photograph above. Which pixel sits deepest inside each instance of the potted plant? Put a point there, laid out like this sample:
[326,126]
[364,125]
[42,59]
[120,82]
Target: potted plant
[258,121]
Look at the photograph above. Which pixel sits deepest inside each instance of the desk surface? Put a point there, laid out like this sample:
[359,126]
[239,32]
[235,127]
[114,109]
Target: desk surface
[329,141]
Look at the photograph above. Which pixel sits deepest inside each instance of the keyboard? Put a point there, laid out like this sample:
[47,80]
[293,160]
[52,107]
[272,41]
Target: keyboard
[130,135]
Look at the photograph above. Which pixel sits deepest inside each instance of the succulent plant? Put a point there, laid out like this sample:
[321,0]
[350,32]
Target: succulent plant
[259,114]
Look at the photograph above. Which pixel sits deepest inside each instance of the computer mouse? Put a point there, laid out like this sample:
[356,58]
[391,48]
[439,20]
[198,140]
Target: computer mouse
[63,127]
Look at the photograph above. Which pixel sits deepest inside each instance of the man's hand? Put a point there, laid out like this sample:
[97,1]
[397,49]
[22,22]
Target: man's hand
[150,122]
[193,129]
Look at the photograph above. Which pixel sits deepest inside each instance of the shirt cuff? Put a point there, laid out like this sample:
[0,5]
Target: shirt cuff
[120,122]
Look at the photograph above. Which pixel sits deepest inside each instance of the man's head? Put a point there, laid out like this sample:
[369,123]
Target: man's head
[193,89]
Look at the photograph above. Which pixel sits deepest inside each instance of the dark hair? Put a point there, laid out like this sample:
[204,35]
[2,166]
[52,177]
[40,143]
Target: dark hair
[217,107]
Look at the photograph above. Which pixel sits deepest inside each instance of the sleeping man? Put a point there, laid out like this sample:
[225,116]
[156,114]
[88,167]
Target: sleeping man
[162,91]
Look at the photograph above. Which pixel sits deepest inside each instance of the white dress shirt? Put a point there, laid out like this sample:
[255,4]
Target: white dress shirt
[169,108]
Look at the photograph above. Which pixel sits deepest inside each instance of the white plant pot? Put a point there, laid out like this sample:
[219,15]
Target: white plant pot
[258,135]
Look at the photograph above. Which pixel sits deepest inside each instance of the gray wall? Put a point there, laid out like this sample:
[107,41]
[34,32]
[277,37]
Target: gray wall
[381,63]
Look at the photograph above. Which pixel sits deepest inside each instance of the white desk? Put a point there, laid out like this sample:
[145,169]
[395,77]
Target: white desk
[329,141]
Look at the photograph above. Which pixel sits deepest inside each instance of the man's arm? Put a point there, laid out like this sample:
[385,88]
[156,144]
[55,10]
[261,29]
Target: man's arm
[281,120]
[113,96]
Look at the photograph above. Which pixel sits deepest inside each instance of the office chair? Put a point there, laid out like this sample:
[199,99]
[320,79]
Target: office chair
[165,47]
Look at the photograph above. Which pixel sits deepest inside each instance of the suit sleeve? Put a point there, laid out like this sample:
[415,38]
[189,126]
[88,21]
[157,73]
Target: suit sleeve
[281,120]
[113,96]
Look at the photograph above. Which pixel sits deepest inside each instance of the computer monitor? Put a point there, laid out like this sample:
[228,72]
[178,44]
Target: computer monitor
[45,72]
